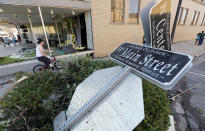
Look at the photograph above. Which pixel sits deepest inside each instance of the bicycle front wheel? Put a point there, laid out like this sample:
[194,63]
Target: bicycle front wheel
[39,69]
[58,64]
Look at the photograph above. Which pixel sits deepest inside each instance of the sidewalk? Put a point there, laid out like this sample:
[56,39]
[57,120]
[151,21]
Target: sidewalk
[27,66]
[5,51]
[189,47]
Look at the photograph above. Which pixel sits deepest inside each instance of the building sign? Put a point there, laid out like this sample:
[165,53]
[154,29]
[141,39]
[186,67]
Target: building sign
[163,68]
[160,16]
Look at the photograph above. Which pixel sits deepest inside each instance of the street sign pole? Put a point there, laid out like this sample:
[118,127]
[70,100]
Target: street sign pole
[44,29]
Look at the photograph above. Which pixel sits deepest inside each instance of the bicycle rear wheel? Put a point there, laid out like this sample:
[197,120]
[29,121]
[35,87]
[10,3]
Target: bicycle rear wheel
[58,64]
[39,69]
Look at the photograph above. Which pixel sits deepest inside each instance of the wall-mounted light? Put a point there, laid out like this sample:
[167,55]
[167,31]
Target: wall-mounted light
[29,11]
[52,12]
[14,14]
[73,12]
[1,10]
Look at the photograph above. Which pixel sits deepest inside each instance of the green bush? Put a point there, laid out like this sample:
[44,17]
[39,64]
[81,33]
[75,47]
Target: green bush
[156,106]
[32,105]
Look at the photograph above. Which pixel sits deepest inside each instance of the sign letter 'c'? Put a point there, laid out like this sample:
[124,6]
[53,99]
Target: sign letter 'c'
[163,20]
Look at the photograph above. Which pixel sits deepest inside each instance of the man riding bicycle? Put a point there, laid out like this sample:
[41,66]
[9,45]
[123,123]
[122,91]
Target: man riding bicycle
[40,53]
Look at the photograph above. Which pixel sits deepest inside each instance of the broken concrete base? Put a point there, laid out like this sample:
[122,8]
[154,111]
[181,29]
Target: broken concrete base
[121,110]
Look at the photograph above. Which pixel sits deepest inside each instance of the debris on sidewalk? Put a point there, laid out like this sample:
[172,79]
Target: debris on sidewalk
[182,92]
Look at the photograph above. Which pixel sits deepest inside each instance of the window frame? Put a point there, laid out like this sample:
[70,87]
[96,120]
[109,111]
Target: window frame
[197,18]
[138,13]
[180,17]
[203,21]
[192,22]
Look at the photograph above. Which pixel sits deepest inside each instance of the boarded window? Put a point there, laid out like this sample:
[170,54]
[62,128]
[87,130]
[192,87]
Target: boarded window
[117,10]
[134,11]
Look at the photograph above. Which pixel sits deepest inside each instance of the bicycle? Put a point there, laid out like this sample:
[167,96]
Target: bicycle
[42,67]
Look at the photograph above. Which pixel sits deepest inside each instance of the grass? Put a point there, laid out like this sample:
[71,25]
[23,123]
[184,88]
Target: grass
[200,111]
[32,54]
[8,60]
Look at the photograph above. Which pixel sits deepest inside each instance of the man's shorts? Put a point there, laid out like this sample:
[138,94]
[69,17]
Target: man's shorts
[44,60]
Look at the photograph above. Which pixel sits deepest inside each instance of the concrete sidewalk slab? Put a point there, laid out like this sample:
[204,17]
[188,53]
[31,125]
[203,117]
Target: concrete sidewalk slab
[189,47]
[5,51]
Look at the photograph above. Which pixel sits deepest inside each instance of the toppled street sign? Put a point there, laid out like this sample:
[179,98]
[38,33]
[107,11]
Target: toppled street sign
[163,68]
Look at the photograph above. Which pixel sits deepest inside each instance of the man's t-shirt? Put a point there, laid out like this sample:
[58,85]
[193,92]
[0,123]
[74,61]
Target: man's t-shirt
[38,53]
[202,35]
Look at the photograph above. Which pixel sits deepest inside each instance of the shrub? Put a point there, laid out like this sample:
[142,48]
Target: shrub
[156,106]
[33,106]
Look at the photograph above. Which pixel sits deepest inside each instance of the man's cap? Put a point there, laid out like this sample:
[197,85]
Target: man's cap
[39,40]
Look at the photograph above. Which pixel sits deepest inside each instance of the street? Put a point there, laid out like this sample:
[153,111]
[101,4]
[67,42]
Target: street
[189,108]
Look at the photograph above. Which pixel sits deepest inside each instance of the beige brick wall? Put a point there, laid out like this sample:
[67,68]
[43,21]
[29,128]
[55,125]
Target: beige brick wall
[107,36]
[188,32]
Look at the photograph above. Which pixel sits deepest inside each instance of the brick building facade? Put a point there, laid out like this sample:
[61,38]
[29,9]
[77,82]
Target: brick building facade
[118,21]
